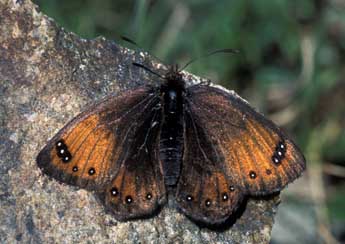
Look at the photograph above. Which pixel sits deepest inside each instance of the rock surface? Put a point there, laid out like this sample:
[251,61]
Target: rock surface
[47,76]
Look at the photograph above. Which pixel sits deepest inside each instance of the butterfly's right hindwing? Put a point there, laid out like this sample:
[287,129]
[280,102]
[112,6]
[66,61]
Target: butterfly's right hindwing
[204,192]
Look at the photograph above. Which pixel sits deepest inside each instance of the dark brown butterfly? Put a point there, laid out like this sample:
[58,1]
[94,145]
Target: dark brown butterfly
[204,142]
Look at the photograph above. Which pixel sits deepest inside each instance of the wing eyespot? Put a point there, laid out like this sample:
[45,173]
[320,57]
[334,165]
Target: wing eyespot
[232,188]
[189,198]
[279,153]
[91,171]
[208,203]
[60,144]
[148,196]
[225,197]
[62,151]
[66,158]
[129,199]
[75,169]
[276,160]
[114,192]
[252,174]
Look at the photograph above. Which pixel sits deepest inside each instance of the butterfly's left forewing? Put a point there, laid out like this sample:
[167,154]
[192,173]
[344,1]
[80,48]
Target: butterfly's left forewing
[105,149]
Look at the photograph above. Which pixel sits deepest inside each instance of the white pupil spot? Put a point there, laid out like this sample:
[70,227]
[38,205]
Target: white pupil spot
[62,151]
[280,153]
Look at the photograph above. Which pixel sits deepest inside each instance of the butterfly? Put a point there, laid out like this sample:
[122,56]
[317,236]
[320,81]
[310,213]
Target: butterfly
[205,144]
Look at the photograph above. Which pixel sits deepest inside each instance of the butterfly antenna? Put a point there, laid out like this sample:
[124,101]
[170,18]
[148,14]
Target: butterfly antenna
[147,69]
[127,39]
[226,50]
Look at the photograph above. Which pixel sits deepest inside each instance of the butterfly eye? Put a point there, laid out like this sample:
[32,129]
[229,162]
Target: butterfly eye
[252,174]
[129,199]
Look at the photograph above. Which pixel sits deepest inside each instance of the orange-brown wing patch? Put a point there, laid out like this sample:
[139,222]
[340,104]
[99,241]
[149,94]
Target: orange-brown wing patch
[90,148]
[87,150]
[258,157]
[112,148]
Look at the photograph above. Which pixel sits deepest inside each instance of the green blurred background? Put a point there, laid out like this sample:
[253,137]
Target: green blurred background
[291,67]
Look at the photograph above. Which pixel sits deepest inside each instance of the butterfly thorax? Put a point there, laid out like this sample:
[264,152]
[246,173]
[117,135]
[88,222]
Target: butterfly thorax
[171,138]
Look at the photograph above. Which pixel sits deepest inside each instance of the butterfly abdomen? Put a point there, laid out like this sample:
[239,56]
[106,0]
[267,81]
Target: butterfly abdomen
[171,138]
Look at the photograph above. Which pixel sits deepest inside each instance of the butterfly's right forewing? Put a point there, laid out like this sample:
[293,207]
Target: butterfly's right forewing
[258,157]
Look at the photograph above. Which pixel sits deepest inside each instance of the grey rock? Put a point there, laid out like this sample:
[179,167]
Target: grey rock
[47,76]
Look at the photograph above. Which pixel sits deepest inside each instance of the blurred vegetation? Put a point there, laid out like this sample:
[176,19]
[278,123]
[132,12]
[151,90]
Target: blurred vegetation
[291,67]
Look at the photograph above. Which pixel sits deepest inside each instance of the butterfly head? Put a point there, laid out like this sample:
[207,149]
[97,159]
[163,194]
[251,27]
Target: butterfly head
[174,78]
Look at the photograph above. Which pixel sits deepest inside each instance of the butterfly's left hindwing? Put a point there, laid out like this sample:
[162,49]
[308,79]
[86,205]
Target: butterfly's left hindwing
[99,150]
[137,190]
